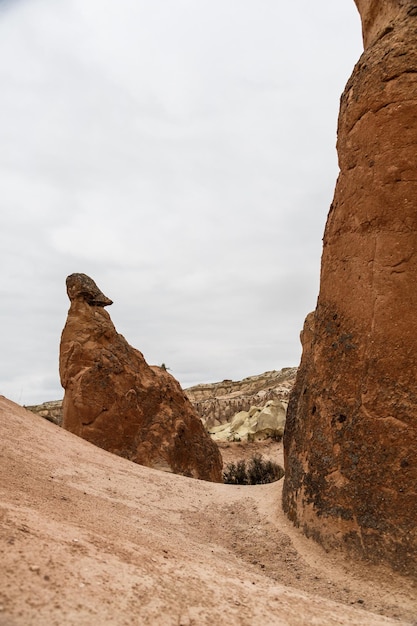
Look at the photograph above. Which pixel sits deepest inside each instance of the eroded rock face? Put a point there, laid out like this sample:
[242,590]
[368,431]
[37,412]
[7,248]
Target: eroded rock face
[115,400]
[378,16]
[218,403]
[351,434]
[257,424]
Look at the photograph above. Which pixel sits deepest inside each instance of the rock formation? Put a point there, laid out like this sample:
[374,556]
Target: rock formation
[52,411]
[115,400]
[351,435]
[257,424]
[218,403]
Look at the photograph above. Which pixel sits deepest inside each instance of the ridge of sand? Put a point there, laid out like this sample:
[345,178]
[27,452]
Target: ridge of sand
[87,537]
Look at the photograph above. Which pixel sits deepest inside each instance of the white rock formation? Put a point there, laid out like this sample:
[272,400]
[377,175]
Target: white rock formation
[256,424]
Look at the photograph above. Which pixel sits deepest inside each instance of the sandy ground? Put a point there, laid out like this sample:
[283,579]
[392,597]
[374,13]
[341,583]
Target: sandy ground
[88,538]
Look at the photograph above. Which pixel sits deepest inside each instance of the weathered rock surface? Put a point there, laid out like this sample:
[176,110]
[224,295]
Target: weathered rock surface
[351,434]
[115,400]
[257,424]
[217,403]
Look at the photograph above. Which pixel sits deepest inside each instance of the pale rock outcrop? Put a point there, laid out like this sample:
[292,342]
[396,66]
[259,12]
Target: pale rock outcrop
[254,425]
[351,434]
[115,400]
[217,403]
[52,411]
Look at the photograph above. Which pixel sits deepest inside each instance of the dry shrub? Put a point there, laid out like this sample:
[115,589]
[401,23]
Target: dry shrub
[257,471]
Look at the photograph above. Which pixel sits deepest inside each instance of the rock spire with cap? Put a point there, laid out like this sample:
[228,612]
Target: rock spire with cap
[115,400]
[82,287]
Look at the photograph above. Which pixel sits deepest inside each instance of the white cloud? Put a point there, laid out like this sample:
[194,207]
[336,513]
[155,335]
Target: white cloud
[182,154]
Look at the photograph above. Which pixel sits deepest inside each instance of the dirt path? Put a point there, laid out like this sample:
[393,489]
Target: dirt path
[88,538]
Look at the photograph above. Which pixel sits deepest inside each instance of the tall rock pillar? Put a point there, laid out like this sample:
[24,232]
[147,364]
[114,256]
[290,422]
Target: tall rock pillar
[351,435]
[118,402]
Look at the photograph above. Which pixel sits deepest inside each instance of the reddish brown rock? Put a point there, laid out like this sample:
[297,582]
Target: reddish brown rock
[351,436]
[378,17]
[115,400]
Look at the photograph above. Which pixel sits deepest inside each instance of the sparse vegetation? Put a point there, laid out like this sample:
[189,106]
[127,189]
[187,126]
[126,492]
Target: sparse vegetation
[257,471]
[276,436]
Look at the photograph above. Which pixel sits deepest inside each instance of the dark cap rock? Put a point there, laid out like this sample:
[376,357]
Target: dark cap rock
[82,287]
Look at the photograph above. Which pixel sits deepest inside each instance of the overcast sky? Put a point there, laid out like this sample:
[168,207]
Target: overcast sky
[182,154]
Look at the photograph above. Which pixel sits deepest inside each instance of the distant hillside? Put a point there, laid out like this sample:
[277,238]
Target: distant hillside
[217,403]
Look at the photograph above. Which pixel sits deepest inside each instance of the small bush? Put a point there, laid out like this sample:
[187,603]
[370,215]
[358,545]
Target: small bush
[257,471]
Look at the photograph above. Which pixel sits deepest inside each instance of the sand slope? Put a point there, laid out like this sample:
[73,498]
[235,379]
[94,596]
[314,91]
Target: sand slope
[89,538]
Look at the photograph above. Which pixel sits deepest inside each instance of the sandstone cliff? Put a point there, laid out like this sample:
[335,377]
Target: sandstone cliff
[351,435]
[115,400]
